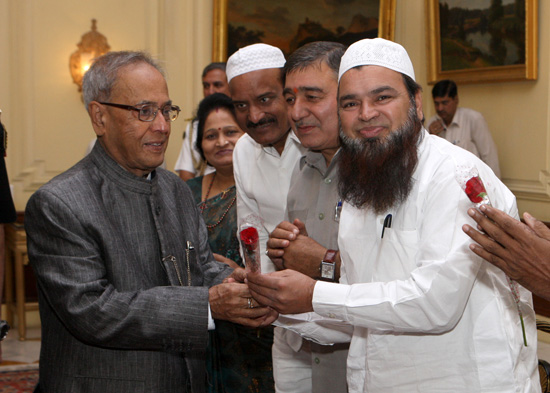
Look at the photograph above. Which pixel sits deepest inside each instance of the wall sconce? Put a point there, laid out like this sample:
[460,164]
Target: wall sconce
[92,45]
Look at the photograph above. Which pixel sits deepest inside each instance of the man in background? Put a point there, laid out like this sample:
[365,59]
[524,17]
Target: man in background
[308,241]
[463,127]
[128,286]
[190,164]
[427,314]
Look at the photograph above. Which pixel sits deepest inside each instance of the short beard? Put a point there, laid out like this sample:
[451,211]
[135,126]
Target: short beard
[377,173]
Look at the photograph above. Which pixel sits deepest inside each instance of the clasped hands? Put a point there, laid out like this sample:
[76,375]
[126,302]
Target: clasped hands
[290,247]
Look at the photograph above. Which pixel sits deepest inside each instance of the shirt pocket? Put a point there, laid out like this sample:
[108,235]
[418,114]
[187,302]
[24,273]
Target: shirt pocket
[397,255]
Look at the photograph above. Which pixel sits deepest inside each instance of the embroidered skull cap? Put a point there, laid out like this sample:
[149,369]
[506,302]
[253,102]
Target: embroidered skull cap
[377,51]
[252,58]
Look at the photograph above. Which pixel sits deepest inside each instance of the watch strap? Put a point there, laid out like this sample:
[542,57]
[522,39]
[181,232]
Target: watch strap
[330,256]
[327,268]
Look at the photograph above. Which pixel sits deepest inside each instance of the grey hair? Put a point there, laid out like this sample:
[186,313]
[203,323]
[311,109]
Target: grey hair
[102,75]
[317,52]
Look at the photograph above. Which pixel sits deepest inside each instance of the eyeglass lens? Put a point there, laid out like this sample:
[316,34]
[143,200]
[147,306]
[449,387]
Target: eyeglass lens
[149,112]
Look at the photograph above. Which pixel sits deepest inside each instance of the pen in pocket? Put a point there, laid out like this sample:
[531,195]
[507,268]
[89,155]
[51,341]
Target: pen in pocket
[387,224]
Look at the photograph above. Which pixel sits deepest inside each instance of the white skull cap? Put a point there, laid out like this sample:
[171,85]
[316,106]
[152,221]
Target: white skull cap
[377,51]
[252,58]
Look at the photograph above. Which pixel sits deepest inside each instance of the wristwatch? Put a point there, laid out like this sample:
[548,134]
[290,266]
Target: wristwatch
[328,266]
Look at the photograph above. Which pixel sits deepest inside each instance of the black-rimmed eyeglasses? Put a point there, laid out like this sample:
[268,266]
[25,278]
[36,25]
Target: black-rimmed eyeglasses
[148,112]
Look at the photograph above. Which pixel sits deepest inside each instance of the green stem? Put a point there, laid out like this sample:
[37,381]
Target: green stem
[523,330]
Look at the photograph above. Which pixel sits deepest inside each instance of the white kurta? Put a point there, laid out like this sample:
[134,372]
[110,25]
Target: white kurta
[428,315]
[262,179]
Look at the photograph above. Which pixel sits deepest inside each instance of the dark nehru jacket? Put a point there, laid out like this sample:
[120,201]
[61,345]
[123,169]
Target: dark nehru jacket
[123,301]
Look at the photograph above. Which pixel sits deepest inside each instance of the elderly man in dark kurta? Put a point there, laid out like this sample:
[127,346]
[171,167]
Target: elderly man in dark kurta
[127,284]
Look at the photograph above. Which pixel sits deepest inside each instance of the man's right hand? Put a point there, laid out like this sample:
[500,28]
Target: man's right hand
[522,251]
[436,127]
[232,302]
[280,239]
[287,291]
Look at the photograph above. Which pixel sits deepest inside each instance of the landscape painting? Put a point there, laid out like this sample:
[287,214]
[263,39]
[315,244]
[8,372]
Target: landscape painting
[290,24]
[483,40]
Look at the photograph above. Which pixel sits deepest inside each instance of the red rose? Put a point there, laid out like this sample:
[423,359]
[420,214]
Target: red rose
[475,189]
[249,236]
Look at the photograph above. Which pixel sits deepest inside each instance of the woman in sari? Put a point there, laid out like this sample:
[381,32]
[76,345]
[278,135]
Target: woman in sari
[238,358]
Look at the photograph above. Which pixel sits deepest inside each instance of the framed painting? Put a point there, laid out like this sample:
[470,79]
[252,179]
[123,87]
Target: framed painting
[289,24]
[478,41]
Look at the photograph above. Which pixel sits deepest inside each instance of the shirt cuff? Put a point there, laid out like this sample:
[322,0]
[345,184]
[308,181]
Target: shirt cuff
[211,324]
[329,299]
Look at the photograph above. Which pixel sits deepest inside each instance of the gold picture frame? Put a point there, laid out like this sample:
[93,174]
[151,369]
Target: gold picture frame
[386,23]
[478,69]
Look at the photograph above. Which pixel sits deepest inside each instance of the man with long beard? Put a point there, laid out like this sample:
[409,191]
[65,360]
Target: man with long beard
[427,314]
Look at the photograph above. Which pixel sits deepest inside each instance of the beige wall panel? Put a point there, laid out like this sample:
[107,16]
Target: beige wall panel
[186,46]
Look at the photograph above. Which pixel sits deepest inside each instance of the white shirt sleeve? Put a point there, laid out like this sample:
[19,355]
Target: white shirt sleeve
[188,154]
[185,162]
[211,324]
[314,327]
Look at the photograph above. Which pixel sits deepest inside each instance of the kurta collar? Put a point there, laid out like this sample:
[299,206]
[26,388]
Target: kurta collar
[316,160]
[456,119]
[118,174]
[290,139]
[422,143]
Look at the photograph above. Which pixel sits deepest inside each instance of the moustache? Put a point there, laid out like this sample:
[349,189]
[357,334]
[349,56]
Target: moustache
[262,122]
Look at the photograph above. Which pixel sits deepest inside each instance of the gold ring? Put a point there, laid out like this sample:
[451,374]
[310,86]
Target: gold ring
[250,303]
